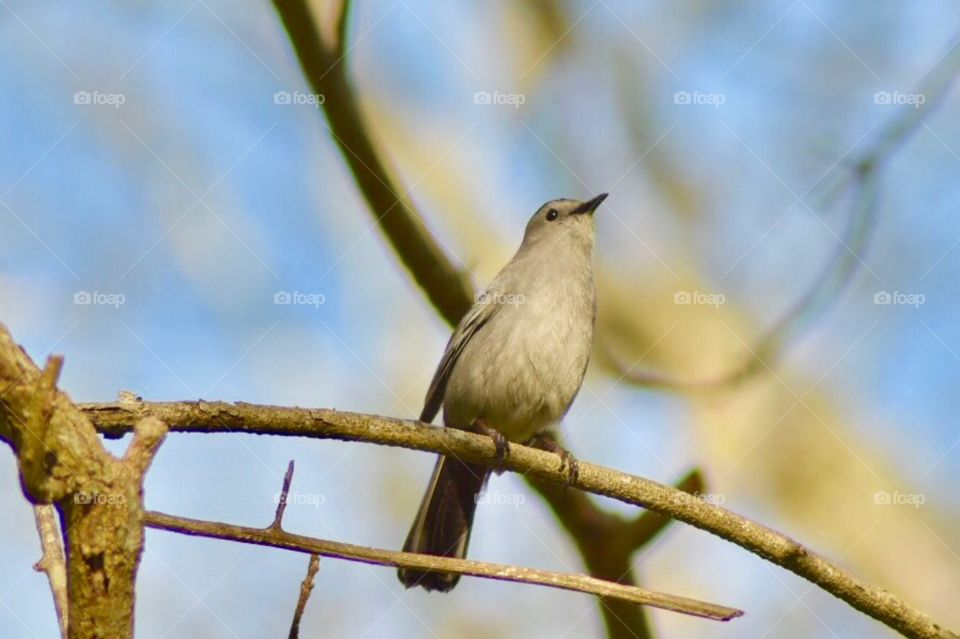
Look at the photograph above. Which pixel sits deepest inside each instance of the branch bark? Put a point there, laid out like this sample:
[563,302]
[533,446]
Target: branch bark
[306,587]
[218,417]
[52,562]
[324,63]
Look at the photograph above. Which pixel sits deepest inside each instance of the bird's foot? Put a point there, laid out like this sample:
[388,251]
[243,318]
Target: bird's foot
[500,443]
[548,441]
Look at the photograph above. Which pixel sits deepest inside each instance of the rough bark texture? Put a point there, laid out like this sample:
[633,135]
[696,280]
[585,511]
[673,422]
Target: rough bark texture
[53,562]
[99,497]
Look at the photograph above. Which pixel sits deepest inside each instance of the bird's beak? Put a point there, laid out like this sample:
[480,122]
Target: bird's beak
[590,205]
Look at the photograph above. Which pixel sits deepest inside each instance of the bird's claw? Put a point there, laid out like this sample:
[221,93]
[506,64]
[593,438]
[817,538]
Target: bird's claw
[547,442]
[500,443]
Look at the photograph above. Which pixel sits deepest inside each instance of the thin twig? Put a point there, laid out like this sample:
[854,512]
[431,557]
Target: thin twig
[306,587]
[219,417]
[52,561]
[350,552]
[282,501]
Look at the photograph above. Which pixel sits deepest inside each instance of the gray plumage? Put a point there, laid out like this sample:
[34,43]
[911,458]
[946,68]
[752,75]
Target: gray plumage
[515,362]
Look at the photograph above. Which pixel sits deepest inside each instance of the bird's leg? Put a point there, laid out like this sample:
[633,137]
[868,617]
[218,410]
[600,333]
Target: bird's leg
[500,443]
[547,441]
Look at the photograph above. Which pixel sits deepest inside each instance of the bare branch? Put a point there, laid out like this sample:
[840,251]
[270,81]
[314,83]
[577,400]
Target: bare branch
[564,581]
[306,587]
[52,561]
[312,568]
[324,64]
[282,501]
[148,434]
[219,417]
[648,525]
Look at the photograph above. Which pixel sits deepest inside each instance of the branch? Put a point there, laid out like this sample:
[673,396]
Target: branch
[648,525]
[324,64]
[282,500]
[218,417]
[564,581]
[306,587]
[607,542]
[61,460]
[52,562]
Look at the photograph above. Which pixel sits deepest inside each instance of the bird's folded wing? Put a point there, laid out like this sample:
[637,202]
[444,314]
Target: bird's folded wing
[478,315]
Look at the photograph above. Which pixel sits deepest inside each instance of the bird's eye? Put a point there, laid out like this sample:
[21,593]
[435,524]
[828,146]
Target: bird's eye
[552,215]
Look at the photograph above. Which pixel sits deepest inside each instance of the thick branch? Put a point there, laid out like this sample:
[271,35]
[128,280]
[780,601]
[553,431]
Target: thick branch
[648,525]
[99,497]
[219,417]
[324,64]
[278,538]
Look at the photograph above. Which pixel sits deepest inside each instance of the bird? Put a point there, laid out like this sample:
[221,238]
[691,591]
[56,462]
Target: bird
[511,370]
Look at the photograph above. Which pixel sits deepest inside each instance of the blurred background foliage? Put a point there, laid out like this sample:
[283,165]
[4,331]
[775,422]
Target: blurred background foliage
[199,198]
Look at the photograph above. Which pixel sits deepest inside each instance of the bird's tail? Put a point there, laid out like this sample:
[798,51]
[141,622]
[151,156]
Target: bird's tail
[443,523]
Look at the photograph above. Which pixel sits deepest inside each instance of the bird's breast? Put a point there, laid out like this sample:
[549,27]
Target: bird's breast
[522,370]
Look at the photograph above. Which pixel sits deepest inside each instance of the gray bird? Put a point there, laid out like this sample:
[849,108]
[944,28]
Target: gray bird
[511,369]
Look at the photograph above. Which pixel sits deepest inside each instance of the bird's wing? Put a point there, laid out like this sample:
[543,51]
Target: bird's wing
[473,321]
